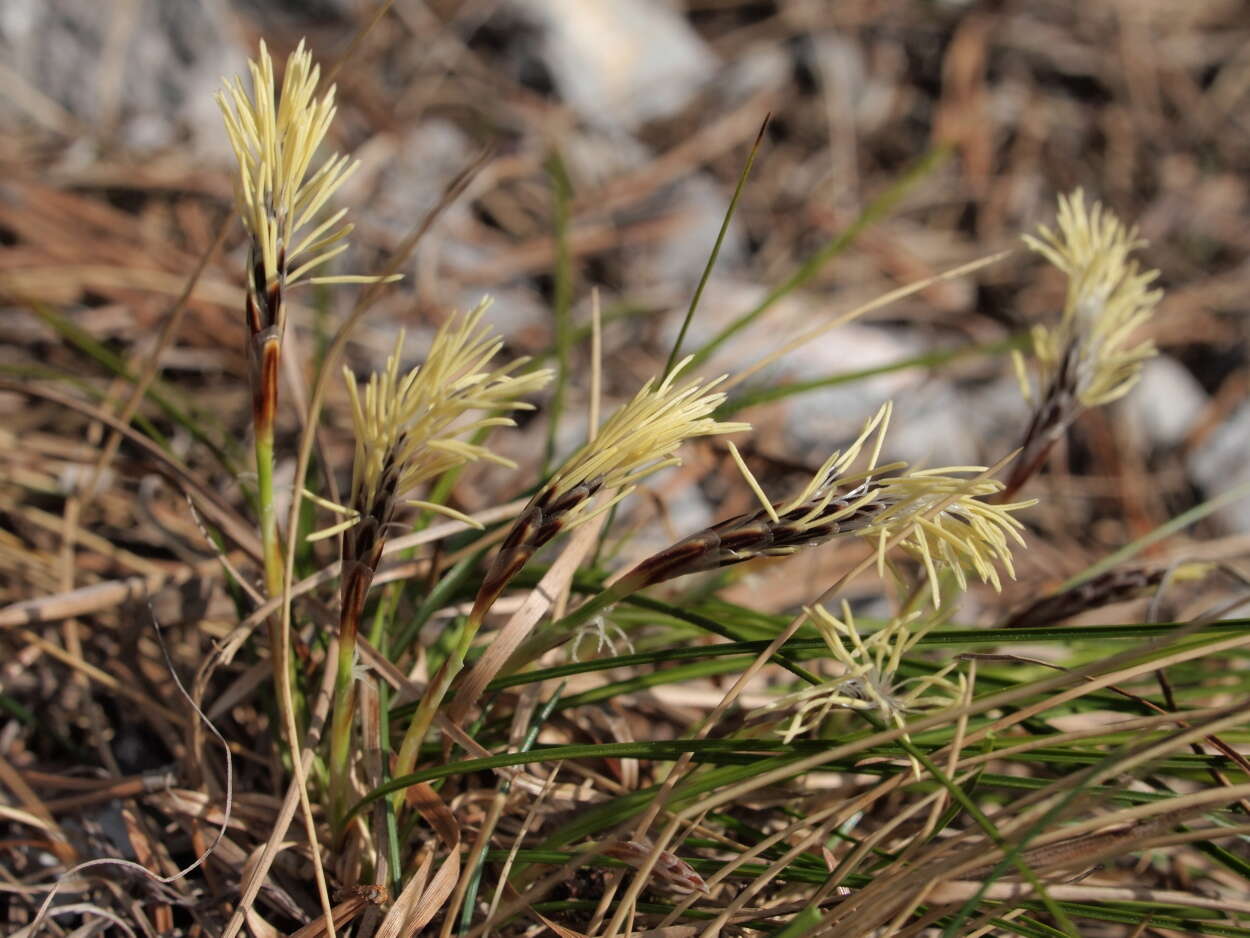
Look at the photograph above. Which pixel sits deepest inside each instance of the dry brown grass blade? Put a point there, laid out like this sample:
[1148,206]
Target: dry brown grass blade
[146,374]
[96,597]
[46,908]
[418,911]
[344,913]
[522,716]
[965,854]
[429,804]
[358,37]
[59,844]
[205,499]
[101,677]
[521,902]
[406,902]
[77,908]
[962,891]
[509,638]
[40,107]
[1214,741]
[259,869]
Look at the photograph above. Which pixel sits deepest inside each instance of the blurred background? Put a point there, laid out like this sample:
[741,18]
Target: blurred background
[611,135]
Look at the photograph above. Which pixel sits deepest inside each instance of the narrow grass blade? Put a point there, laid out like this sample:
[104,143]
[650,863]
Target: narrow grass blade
[876,210]
[675,354]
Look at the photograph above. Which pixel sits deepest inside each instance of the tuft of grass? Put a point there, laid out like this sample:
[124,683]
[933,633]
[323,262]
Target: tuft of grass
[654,746]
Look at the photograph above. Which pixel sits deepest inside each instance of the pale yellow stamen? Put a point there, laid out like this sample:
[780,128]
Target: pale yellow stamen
[411,428]
[641,438]
[275,137]
[1108,299]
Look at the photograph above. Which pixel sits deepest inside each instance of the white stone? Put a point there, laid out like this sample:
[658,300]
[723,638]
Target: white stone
[1222,462]
[621,62]
[1166,402]
[156,86]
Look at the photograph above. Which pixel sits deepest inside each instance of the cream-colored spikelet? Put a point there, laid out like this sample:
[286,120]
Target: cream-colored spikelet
[1088,359]
[642,437]
[940,515]
[411,428]
[945,518]
[869,680]
[280,196]
[1108,299]
[829,505]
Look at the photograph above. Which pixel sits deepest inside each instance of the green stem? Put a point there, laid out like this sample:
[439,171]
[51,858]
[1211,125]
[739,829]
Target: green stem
[341,732]
[384,614]
[423,718]
[264,416]
[341,736]
[270,548]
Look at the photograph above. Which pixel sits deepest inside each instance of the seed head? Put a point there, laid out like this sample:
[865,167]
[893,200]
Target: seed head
[942,518]
[1108,299]
[869,679]
[947,521]
[642,437]
[411,428]
[830,504]
[1085,360]
[280,198]
[1114,586]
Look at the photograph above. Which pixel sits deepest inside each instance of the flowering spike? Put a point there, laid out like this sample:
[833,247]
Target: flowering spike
[408,427]
[1086,359]
[1108,299]
[640,438]
[869,679]
[275,137]
[941,518]
[948,521]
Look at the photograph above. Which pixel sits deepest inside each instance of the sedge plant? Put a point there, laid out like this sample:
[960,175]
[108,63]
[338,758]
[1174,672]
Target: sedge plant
[956,524]
[282,200]
[410,429]
[642,437]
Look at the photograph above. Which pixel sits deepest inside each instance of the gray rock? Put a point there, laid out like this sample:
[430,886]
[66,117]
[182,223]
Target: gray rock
[839,63]
[760,68]
[155,79]
[686,511]
[402,177]
[699,205]
[621,63]
[1220,463]
[1166,402]
[820,420]
[597,155]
